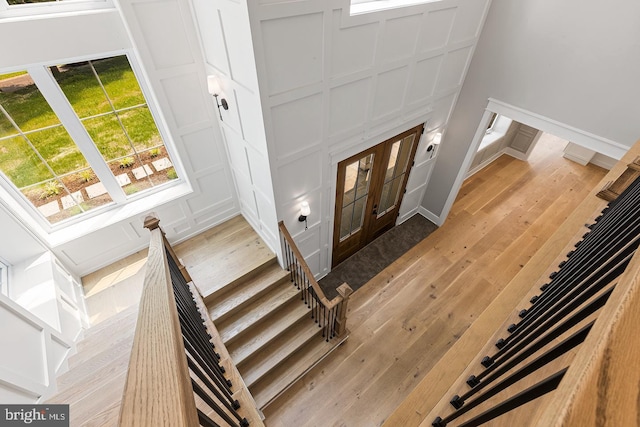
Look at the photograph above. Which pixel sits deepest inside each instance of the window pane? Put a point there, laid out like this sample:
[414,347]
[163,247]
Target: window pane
[39,157]
[141,128]
[82,89]
[21,164]
[119,82]
[55,145]
[107,97]
[108,136]
[25,104]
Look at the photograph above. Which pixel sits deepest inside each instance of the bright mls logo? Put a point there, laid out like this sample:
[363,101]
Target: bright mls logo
[34,415]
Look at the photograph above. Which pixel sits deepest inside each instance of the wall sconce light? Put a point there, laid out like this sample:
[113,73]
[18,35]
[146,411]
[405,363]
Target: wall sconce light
[305,211]
[213,86]
[433,146]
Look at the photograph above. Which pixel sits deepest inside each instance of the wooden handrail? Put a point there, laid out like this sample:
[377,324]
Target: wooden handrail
[344,290]
[601,385]
[178,354]
[158,388]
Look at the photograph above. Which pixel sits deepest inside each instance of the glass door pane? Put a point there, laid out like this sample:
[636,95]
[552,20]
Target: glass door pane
[355,191]
[395,173]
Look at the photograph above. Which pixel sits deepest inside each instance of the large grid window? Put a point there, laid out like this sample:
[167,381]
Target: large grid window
[74,137]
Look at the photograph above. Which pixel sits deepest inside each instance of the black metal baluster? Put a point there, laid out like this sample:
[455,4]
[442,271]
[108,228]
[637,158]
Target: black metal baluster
[205,421]
[514,356]
[566,304]
[231,406]
[616,220]
[540,389]
[212,404]
[570,343]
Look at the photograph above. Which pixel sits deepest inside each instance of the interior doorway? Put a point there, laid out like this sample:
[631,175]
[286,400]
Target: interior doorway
[507,136]
[369,191]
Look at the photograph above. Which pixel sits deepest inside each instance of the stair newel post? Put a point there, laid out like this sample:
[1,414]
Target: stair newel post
[344,291]
[330,315]
[151,223]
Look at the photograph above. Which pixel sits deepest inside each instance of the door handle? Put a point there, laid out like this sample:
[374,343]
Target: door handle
[375,210]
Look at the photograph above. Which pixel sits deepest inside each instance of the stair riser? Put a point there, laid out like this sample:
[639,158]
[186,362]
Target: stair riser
[265,399]
[240,363]
[211,298]
[229,339]
[278,323]
[281,282]
[256,360]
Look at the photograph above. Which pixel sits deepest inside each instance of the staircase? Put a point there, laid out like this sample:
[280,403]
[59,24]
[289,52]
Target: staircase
[94,383]
[258,312]
[261,316]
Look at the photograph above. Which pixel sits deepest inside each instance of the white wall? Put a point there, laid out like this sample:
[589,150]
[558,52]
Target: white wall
[162,34]
[322,85]
[575,62]
[223,27]
[38,353]
[17,242]
[332,85]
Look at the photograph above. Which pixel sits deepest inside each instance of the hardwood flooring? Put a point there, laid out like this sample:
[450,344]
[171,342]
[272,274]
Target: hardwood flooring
[410,314]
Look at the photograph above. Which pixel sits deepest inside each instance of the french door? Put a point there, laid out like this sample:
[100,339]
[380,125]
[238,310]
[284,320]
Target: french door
[369,191]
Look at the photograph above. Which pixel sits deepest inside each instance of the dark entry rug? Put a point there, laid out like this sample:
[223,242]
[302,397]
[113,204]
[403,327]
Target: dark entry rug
[377,255]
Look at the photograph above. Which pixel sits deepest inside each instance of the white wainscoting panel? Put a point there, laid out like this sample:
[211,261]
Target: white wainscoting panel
[390,92]
[344,59]
[282,37]
[297,124]
[203,151]
[166,48]
[454,67]
[34,354]
[210,26]
[186,99]
[436,29]
[424,82]
[398,40]
[349,104]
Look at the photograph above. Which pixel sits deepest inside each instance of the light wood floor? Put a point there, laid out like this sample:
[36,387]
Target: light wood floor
[409,315]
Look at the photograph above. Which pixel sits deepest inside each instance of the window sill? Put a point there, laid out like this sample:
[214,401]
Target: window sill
[117,214]
[499,131]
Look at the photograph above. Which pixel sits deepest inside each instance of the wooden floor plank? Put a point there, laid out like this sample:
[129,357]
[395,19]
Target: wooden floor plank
[411,313]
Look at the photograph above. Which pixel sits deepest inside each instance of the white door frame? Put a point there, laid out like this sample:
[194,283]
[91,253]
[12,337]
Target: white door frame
[577,136]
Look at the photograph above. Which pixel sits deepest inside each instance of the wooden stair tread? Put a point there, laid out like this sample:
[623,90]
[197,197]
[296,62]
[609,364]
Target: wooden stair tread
[281,377]
[96,341]
[94,347]
[252,313]
[278,350]
[98,407]
[126,316]
[233,250]
[268,329]
[252,287]
[89,374]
